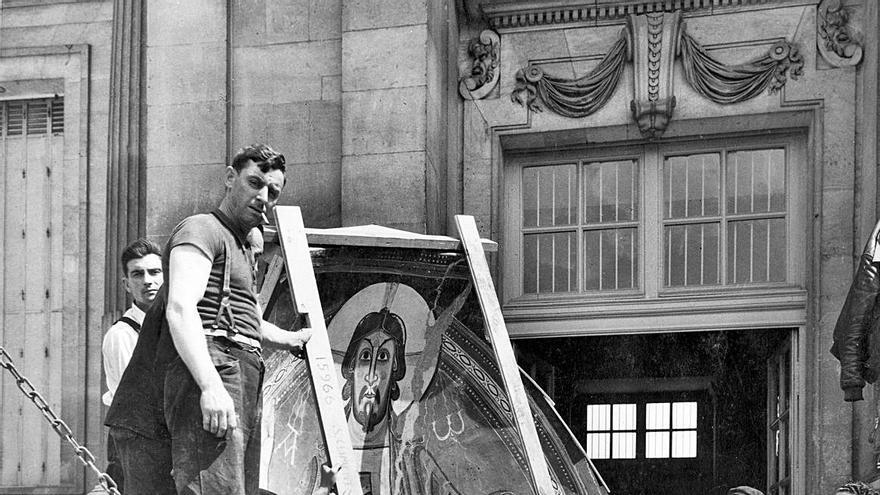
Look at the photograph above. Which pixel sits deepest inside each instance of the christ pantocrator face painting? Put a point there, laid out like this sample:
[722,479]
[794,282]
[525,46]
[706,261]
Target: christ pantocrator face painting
[373,364]
[378,341]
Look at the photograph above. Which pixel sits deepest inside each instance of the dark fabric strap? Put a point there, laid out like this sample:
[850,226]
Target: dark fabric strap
[226,291]
[225,296]
[130,322]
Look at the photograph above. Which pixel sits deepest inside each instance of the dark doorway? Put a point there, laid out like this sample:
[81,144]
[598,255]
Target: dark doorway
[676,413]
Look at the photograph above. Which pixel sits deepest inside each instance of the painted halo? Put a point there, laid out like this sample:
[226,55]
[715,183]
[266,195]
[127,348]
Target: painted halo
[406,303]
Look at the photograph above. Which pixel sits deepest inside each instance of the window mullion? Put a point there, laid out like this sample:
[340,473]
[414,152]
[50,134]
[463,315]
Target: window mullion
[652,268]
[581,263]
[722,227]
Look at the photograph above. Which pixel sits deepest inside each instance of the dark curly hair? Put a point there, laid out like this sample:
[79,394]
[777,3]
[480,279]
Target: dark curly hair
[264,156]
[137,250]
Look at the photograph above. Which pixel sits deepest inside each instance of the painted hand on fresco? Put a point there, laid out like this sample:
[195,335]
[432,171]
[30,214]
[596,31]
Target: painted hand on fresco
[218,411]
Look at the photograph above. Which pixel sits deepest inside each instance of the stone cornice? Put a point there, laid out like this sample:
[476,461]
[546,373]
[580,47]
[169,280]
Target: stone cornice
[547,13]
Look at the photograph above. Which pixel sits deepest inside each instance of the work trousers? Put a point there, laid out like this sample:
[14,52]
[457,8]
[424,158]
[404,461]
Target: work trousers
[202,463]
[114,466]
[145,461]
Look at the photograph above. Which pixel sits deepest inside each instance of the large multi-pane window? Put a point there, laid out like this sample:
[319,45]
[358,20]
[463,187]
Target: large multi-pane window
[751,216]
[654,218]
[671,430]
[611,431]
[562,219]
[643,430]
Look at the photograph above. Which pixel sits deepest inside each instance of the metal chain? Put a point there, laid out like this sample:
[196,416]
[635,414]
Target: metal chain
[60,427]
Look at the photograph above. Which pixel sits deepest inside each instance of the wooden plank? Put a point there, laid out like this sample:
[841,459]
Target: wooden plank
[14,225]
[56,223]
[6,386]
[304,290]
[273,274]
[498,336]
[13,322]
[37,222]
[34,426]
[34,363]
[11,433]
[382,237]
[55,361]
[53,397]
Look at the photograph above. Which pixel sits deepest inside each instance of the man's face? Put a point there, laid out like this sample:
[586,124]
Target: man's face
[252,192]
[143,277]
[371,378]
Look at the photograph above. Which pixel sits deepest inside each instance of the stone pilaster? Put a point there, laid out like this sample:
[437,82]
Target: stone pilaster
[126,185]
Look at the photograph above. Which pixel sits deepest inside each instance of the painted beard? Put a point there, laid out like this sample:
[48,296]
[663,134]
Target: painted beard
[367,412]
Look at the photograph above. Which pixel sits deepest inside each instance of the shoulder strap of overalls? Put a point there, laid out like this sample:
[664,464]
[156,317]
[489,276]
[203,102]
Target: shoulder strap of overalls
[130,322]
[225,292]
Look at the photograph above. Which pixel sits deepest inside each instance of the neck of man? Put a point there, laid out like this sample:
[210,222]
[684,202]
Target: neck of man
[143,306]
[234,219]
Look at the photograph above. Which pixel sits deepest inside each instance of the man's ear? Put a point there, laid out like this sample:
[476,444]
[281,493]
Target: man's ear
[125,284]
[230,176]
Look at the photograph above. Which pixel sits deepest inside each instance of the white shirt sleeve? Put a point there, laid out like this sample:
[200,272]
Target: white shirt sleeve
[117,349]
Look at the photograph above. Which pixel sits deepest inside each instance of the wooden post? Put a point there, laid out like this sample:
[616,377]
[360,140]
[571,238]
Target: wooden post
[270,280]
[498,336]
[322,372]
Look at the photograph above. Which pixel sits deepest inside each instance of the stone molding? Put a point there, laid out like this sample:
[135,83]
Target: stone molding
[652,42]
[126,174]
[485,52]
[537,13]
[834,40]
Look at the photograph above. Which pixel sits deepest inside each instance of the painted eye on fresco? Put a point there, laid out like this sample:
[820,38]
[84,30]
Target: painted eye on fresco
[365,355]
[383,355]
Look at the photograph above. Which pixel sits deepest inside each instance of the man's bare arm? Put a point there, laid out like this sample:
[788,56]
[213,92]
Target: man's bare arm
[188,272]
[293,341]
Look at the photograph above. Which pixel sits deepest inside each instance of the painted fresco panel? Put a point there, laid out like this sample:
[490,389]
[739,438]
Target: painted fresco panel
[424,399]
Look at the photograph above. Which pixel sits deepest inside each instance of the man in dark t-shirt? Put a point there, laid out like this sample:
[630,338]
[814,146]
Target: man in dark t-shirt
[211,397]
[213,392]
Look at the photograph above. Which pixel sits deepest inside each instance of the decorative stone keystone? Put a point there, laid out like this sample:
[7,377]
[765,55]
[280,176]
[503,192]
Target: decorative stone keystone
[834,39]
[485,52]
[654,43]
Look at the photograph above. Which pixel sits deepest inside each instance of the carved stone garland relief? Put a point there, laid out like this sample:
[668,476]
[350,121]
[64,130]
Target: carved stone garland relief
[652,42]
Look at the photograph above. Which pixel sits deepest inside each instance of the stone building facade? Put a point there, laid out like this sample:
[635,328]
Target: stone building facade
[668,174]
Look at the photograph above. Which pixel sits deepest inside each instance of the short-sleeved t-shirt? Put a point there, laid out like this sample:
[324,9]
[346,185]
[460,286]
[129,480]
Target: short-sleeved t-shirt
[210,236]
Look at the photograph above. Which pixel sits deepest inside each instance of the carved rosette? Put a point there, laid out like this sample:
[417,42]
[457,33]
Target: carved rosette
[788,60]
[834,39]
[485,51]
